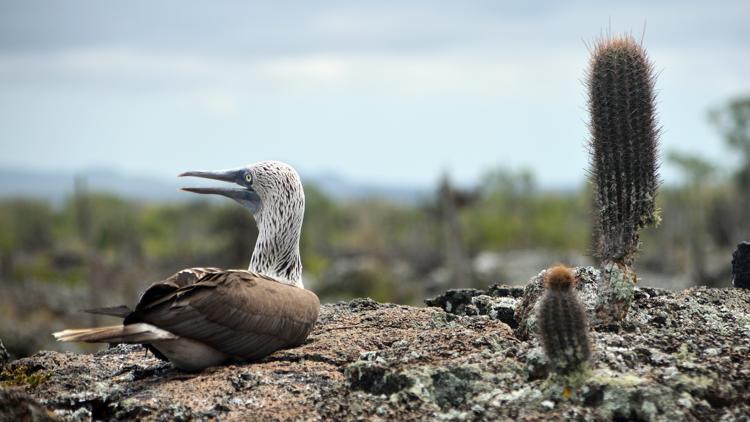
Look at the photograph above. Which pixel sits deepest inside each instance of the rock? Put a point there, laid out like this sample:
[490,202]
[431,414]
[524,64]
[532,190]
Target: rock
[741,266]
[371,374]
[536,364]
[16,405]
[500,308]
[501,290]
[498,302]
[677,356]
[455,301]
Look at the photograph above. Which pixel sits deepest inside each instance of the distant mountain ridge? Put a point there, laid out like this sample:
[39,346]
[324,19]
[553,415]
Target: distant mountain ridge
[56,186]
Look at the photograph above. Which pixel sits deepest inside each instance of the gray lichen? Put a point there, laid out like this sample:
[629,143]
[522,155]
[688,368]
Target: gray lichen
[371,361]
[616,288]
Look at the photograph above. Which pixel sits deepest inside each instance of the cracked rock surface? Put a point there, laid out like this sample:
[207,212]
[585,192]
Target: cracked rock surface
[678,356]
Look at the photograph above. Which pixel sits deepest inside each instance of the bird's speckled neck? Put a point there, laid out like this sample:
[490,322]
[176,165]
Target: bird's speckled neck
[279,220]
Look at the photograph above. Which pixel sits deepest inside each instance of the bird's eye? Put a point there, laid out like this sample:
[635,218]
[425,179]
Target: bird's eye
[249,178]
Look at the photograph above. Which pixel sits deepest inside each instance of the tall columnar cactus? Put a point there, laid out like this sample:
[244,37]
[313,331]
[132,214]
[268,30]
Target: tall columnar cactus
[562,323]
[624,140]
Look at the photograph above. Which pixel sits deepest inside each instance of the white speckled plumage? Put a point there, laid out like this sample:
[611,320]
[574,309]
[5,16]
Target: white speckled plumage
[279,220]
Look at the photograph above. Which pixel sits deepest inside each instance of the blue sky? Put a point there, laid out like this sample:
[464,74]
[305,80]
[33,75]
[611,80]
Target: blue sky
[383,92]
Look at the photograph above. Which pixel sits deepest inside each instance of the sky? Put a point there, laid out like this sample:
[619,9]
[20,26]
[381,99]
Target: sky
[374,91]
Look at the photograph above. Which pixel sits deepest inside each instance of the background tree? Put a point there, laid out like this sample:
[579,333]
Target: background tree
[696,198]
[733,121]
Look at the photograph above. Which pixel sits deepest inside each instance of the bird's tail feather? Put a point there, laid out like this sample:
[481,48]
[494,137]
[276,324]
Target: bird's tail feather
[131,333]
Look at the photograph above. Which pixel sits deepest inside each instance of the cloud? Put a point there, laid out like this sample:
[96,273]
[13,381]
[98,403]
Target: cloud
[480,73]
[394,76]
[482,50]
[219,103]
[220,84]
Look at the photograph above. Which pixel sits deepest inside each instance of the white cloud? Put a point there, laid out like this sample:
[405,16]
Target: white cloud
[218,85]
[219,103]
[464,73]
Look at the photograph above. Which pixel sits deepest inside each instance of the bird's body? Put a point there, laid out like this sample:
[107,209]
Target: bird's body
[202,317]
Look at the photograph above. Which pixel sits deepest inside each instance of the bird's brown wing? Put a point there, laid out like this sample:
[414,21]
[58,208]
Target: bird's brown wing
[184,278]
[237,312]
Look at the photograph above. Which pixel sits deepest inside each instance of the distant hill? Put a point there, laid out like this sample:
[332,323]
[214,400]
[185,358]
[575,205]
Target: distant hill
[55,186]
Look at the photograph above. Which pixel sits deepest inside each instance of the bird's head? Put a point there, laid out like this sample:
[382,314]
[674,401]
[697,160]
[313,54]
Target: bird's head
[273,193]
[268,189]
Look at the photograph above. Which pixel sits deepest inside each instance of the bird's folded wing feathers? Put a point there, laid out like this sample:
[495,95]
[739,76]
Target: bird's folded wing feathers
[238,312]
[118,311]
[184,278]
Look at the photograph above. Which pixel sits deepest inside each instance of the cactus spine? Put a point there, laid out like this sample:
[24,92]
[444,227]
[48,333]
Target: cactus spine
[624,140]
[562,323]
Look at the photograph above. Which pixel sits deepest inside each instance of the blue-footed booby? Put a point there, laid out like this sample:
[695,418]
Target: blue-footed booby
[202,317]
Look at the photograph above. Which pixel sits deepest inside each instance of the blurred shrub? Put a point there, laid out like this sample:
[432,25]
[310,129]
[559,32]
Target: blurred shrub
[513,214]
[27,225]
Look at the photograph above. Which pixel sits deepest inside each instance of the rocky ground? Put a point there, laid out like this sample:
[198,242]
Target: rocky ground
[471,355]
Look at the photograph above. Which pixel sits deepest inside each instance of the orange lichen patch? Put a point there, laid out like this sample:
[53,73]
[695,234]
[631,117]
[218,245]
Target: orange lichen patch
[559,277]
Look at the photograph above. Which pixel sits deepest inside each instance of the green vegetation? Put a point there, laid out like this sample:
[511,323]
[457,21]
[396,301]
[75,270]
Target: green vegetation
[358,248]
[511,213]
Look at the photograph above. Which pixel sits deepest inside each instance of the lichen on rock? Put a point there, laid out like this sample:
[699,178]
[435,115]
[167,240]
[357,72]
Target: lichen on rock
[23,376]
[617,284]
[676,356]
[498,302]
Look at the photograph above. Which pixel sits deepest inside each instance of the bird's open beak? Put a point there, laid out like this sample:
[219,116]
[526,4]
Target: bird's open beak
[245,195]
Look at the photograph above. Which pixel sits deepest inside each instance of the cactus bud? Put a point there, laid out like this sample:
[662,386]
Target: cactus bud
[562,323]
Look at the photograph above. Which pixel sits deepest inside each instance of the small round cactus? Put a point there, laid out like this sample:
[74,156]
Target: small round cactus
[562,323]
